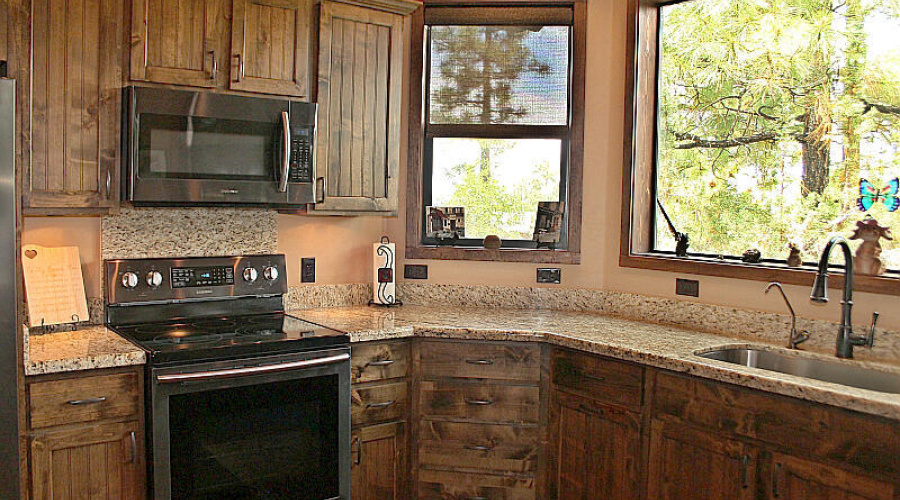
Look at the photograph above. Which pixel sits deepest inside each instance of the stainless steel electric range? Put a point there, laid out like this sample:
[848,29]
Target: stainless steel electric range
[243,400]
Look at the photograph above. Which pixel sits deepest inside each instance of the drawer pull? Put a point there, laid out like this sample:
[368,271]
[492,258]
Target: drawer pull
[132,439]
[479,402]
[380,362]
[482,362]
[88,401]
[588,376]
[383,404]
[478,447]
[476,498]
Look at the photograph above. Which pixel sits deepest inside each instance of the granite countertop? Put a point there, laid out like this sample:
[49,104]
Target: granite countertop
[661,346]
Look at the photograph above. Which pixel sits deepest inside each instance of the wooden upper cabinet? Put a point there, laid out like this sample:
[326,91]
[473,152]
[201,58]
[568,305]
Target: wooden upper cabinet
[359,90]
[270,46]
[75,105]
[176,42]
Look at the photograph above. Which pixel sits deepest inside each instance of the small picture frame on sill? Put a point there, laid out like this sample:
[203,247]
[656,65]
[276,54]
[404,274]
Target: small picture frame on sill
[446,225]
[548,223]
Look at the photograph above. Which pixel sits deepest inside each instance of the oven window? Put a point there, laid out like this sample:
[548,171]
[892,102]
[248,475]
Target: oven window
[191,147]
[273,441]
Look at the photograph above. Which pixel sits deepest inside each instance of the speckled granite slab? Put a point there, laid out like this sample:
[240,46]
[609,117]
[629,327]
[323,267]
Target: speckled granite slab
[137,233]
[656,345]
[85,349]
[311,296]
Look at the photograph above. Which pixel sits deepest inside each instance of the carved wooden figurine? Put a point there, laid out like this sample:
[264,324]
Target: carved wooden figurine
[794,259]
[868,255]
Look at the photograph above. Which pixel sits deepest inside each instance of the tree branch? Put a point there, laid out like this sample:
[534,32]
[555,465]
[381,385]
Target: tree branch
[881,108]
[699,142]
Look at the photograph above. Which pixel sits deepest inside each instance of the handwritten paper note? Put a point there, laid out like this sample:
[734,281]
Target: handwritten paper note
[54,285]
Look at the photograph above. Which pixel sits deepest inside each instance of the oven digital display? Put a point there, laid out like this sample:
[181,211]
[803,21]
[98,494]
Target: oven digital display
[189,277]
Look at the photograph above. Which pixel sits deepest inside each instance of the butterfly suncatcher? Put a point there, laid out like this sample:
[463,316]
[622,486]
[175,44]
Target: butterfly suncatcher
[869,196]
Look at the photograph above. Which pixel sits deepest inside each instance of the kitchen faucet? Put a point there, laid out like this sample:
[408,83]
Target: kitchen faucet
[846,339]
[796,338]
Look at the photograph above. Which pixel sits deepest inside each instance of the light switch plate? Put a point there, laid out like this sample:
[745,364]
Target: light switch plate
[549,275]
[308,270]
[690,288]
[415,271]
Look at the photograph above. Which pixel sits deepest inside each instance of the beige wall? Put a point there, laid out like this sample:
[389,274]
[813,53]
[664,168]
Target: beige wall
[602,201]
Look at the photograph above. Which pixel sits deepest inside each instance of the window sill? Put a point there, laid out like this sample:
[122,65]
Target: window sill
[542,256]
[766,271]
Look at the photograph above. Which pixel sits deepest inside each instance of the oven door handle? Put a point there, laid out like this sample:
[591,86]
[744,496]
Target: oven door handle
[286,151]
[251,370]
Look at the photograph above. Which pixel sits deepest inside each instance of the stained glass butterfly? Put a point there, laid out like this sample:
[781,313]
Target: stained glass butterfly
[869,196]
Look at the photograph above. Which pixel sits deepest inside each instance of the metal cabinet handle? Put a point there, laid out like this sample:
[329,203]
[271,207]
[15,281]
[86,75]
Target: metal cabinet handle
[775,473]
[383,404]
[285,152]
[87,401]
[479,402]
[358,442]
[476,498]
[482,362]
[133,441]
[108,183]
[588,376]
[477,447]
[240,68]
[214,72]
[320,190]
[380,362]
[745,462]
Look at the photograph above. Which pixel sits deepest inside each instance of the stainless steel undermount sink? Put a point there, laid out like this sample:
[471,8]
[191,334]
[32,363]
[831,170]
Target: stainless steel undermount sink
[818,369]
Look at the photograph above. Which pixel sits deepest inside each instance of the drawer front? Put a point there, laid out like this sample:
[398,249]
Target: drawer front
[479,402]
[380,403]
[83,399]
[372,361]
[492,360]
[441,485]
[606,380]
[502,448]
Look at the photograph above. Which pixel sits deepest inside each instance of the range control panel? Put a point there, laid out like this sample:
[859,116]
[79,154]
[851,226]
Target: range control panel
[167,280]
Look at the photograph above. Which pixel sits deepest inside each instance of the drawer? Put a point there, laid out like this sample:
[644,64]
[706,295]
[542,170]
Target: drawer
[491,360]
[479,402]
[606,380]
[83,399]
[443,485]
[380,403]
[502,448]
[372,361]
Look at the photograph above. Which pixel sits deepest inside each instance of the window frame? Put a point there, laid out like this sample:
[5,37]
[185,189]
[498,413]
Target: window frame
[636,249]
[420,169]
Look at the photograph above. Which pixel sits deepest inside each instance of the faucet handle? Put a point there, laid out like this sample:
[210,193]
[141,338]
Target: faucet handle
[870,337]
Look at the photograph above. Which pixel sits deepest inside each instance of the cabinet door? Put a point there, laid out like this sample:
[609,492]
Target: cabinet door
[378,462]
[595,451]
[358,135]
[687,463]
[77,78]
[175,41]
[102,461]
[794,478]
[270,46]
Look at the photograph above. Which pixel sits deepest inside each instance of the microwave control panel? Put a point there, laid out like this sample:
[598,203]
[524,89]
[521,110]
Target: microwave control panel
[301,167]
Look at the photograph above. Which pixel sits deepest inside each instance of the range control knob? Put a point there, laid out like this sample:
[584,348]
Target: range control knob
[154,279]
[250,275]
[271,273]
[129,280]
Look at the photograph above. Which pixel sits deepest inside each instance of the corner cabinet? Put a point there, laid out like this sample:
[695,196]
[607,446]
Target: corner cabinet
[361,47]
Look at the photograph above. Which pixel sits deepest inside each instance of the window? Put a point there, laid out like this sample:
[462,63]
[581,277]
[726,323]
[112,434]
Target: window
[499,132]
[770,124]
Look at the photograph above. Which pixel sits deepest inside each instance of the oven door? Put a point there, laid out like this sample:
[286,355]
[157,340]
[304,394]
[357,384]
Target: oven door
[268,428]
[204,148]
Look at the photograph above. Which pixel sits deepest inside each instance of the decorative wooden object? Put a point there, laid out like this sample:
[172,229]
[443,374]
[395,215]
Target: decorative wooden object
[54,285]
[868,255]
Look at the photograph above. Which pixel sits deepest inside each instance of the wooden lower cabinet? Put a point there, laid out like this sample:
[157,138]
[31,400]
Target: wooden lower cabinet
[701,465]
[794,478]
[596,451]
[378,462]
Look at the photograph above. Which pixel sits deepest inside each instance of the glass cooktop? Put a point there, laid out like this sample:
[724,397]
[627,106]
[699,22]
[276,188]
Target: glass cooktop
[230,337]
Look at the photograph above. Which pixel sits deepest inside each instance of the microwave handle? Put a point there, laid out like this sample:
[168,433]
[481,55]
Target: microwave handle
[286,151]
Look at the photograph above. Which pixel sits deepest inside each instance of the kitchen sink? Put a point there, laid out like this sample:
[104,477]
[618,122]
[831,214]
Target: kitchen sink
[818,369]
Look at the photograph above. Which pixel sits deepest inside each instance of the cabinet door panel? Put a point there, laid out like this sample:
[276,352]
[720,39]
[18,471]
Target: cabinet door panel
[75,104]
[103,462]
[270,44]
[358,135]
[687,463]
[175,41]
[378,462]
[794,478]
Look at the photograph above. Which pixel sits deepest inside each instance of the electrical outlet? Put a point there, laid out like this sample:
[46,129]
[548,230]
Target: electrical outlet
[691,288]
[308,270]
[415,271]
[549,275]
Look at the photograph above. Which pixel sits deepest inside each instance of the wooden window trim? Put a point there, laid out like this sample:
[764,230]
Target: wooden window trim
[638,196]
[415,249]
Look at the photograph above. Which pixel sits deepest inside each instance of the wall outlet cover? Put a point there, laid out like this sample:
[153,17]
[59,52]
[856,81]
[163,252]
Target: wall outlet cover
[549,275]
[690,288]
[415,271]
[308,270]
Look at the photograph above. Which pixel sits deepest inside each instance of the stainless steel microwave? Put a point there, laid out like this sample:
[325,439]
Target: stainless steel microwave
[201,148]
